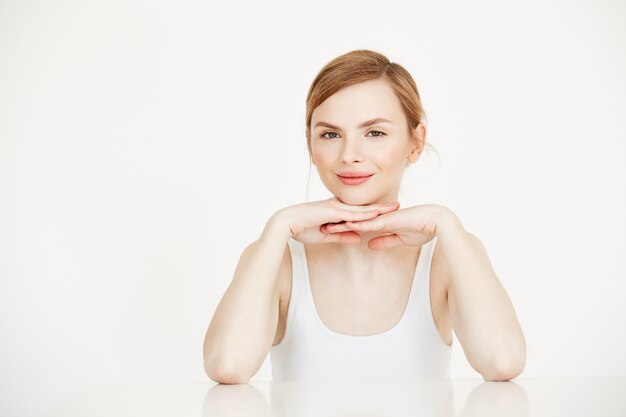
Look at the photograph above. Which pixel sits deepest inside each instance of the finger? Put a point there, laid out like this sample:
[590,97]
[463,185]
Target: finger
[385,242]
[395,204]
[360,213]
[385,206]
[334,228]
[344,216]
[388,208]
[360,216]
[355,217]
[374,225]
[344,237]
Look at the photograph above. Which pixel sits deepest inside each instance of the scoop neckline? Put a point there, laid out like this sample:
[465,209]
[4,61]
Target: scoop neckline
[367,336]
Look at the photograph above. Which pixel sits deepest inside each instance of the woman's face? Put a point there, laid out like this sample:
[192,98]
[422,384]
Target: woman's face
[341,142]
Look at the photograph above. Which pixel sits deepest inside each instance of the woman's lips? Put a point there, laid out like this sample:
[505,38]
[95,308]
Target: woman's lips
[354,180]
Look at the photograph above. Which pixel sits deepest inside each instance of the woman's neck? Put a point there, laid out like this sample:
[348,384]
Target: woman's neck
[358,262]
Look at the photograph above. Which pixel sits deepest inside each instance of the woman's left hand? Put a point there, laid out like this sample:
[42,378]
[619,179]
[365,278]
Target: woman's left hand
[412,226]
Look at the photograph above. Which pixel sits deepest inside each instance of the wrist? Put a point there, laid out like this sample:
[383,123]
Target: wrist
[448,224]
[278,225]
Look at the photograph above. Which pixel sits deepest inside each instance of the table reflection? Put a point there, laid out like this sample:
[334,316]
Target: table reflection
[365,399]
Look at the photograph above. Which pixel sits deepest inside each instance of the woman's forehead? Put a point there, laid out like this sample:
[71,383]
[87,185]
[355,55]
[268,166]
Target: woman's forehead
[358,103]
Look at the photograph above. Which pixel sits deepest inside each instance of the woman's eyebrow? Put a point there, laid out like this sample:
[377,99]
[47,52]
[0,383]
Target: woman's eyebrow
[364,124]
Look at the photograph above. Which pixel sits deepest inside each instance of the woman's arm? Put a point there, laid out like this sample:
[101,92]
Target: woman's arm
[244,324]
[481,313]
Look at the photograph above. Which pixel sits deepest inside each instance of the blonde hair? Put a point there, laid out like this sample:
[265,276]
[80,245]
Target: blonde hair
[364,65]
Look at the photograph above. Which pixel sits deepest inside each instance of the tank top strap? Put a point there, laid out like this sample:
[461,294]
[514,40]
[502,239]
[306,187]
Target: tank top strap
[418,305]
[423,276]
[309,350]
[298,277]
[419,285]
[424,265]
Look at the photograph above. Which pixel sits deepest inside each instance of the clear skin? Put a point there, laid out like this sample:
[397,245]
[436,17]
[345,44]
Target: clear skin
[382,149]
[480,310]
[364,235]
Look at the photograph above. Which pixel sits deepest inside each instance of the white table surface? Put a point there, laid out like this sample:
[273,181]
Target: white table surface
[537,397]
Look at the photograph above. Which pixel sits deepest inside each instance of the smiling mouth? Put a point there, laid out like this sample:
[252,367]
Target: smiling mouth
[354,180]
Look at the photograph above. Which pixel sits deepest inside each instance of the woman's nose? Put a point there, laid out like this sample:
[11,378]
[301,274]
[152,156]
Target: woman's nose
[351,151]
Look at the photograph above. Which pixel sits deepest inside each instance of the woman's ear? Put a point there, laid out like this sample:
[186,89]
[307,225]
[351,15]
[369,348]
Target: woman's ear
[418,140]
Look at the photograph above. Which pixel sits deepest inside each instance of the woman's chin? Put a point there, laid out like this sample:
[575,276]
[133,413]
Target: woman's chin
[354,200]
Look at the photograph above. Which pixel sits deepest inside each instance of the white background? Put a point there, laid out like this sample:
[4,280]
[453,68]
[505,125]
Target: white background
[143,145]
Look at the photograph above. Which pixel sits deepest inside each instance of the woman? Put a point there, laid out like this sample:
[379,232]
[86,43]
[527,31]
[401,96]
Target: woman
[354,286]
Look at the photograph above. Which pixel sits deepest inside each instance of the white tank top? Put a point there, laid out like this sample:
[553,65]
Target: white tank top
[412,349]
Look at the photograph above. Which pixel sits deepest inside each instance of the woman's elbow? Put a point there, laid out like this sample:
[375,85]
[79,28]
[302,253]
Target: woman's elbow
[505,370]
[224,374]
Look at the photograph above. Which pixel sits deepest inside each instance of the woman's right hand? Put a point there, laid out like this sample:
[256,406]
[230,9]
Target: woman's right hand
[305,220]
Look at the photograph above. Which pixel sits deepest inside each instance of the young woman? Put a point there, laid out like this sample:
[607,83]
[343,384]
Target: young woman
[355,286]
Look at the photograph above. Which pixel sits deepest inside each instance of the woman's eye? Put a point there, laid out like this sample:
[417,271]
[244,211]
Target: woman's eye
[377,131]
[376,134]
